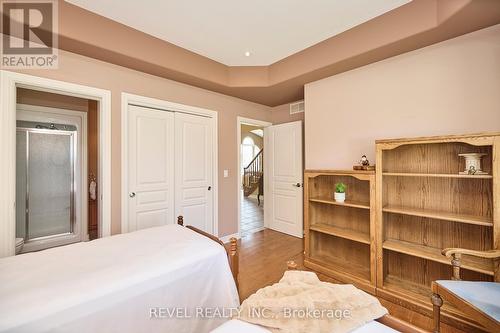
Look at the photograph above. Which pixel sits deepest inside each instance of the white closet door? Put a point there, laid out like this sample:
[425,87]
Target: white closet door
[150,167]
[194,170]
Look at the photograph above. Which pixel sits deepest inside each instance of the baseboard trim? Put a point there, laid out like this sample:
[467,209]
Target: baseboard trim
[226,239]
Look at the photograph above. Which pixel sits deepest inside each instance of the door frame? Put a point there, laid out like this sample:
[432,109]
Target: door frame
[254,122]
[163,105]
[29,112]
[9,81]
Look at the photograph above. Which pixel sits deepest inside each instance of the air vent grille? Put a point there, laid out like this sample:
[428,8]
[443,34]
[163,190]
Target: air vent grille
[297,107]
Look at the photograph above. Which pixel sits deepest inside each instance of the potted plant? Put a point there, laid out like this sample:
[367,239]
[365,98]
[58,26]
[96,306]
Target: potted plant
[339,194]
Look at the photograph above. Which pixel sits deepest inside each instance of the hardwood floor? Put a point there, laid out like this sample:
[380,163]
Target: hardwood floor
[263,257]
[252,215]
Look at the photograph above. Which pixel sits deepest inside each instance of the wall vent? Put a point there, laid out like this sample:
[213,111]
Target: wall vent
[297,107]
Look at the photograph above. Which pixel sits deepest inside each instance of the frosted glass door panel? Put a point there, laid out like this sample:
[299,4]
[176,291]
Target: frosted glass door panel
[50,184]
[21,184]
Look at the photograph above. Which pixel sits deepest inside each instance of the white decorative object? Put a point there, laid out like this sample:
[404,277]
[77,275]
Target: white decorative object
[473,164]
[93,189]
[339,197]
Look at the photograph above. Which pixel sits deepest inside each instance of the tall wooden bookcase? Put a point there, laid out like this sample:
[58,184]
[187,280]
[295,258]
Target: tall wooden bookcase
[340,237]
[425,205]
[388,235]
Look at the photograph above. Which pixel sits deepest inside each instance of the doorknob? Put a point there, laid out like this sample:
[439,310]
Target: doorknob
[297,185]
[132,194]
[210,188]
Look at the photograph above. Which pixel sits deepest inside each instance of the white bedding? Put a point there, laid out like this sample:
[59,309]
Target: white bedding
[239,326]
[110,284]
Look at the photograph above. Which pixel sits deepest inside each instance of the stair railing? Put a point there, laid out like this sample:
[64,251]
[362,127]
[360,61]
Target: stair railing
[254,170]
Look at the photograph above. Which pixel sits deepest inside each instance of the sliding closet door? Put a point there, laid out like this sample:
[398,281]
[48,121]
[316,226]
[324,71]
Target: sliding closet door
[194,169]
[150,167]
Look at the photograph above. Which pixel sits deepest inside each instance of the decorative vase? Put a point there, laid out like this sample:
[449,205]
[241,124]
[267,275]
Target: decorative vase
[339,197]
[473,164]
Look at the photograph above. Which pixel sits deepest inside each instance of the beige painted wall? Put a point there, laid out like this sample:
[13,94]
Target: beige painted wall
[449,88]
[82,70]
[281,114]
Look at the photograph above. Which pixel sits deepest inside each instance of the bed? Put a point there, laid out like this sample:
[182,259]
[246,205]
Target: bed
[239,326]
[124,283]
[385,324]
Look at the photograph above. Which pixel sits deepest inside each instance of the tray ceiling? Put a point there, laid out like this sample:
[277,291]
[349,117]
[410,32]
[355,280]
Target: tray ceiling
[225,30]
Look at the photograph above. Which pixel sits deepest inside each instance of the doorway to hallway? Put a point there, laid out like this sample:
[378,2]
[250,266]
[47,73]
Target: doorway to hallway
[251,175]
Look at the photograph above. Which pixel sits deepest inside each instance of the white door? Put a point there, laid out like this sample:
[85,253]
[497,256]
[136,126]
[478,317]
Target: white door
[283,176]
[150,167]
[193,170]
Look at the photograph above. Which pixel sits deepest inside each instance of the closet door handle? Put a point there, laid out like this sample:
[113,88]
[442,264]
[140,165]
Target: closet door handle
[210,188]
[132,194]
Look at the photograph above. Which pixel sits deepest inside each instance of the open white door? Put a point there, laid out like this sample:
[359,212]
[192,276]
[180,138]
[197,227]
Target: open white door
[194,170]
[283,176]
[150,167]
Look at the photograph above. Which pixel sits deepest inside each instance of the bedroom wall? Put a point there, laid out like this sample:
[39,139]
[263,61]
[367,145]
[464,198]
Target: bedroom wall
[87,71]
[281,114]
[447,88]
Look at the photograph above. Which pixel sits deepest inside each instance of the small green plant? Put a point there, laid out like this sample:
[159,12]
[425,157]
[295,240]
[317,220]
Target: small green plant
[340,187]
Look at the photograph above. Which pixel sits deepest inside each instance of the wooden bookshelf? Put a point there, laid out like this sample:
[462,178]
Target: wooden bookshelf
[434,254]
[426,205]
[353,235]
[347,203]
[340,237]
[435,175]
[441,215]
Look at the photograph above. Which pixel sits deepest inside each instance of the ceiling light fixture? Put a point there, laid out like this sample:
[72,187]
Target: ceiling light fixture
[247,54]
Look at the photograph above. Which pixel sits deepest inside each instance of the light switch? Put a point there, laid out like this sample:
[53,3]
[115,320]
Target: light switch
[226,173]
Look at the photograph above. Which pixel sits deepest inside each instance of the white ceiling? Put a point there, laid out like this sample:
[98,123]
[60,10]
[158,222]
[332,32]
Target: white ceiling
[223,30]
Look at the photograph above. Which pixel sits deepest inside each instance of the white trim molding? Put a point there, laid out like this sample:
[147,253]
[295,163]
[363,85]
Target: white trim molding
[9,81]
[247,121]
[131,99]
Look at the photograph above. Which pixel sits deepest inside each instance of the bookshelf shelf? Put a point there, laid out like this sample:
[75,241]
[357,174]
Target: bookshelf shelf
[339,237]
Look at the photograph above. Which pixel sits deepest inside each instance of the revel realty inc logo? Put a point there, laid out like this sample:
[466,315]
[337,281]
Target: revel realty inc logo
[29,34]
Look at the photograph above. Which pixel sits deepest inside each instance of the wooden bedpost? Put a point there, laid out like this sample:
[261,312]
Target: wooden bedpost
[232,251]
[437,302]
[234,261]
[291,265]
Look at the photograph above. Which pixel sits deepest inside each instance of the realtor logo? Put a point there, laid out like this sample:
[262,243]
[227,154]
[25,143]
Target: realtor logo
[29,34]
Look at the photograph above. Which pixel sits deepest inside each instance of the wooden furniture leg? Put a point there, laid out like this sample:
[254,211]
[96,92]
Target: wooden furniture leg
[437,302]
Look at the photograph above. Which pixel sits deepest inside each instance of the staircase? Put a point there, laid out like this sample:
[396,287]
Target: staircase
[253,176]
